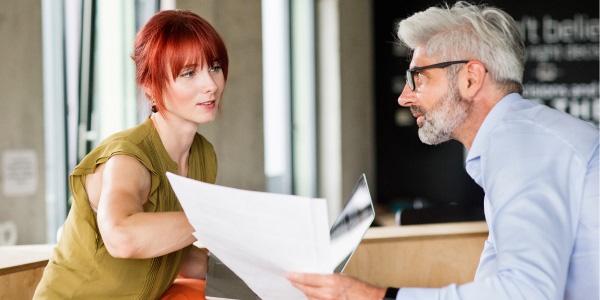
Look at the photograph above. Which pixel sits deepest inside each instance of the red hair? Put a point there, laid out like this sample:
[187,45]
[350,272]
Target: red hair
[176,38]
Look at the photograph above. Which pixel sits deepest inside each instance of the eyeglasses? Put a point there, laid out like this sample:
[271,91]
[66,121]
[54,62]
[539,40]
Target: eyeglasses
[410,73]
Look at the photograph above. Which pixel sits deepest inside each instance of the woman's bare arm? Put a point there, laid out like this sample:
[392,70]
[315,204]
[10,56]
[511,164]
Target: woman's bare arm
[127,231]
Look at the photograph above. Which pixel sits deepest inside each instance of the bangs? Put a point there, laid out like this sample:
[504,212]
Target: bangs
[190,49]
[193,42]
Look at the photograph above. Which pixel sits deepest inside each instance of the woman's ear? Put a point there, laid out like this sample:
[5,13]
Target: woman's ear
[476,73]
[148,92]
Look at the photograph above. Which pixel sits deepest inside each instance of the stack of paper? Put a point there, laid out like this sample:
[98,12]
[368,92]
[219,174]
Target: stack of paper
[259,236]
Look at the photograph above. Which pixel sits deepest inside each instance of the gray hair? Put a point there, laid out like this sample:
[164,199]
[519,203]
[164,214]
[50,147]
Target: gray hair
[467,31]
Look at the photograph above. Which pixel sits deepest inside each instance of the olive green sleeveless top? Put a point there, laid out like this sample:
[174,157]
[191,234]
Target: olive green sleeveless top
[81,267]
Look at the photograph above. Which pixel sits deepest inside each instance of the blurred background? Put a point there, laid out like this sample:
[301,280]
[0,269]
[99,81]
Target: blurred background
[310,103]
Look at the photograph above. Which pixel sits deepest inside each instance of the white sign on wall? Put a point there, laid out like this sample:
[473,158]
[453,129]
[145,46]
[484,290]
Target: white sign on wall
[19,172]
[8,233]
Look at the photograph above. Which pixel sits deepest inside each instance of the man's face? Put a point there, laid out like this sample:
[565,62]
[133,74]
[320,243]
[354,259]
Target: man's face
[435,102]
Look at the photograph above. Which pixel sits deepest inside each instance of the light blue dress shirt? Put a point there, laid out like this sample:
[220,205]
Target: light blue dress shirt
[539,170]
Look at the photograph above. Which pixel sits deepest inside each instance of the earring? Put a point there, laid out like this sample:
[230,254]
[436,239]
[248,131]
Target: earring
[154,109]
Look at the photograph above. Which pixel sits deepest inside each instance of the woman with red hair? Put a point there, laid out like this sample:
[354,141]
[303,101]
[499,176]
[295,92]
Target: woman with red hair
[126,235]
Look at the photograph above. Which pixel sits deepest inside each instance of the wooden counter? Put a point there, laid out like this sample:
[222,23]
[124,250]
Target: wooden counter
[416,255]
[21,269]
[432,255]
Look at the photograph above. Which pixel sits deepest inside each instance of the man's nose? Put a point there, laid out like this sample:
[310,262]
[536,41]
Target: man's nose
[407,96]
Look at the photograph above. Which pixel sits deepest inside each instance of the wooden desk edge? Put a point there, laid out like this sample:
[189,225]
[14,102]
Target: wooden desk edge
[23,267]
[14,259]
[376,234]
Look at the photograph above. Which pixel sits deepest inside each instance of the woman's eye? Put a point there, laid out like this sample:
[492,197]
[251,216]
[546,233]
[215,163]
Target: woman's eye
[215,68]
[188,73]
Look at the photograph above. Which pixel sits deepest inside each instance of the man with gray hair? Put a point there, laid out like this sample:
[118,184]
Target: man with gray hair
[537,166]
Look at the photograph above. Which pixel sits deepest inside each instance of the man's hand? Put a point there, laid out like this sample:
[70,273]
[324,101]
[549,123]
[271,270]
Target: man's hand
[334,286]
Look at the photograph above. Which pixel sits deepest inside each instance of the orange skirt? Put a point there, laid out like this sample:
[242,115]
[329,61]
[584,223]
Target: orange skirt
[186,289]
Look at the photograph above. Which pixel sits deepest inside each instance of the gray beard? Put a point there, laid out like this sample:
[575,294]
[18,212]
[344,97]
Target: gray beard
[441,120]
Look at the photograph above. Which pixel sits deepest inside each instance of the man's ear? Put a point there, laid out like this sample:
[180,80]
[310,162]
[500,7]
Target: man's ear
[475,75]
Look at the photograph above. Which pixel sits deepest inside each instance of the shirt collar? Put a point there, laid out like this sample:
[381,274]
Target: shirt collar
[495,114]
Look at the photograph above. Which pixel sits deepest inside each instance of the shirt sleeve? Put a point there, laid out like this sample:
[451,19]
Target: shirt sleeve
[487,262]
[533,186]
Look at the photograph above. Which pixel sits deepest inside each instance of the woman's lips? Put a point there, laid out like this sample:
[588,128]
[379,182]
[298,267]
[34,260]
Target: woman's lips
[207,104]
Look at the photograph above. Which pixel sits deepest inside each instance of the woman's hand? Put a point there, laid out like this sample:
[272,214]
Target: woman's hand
[195,263]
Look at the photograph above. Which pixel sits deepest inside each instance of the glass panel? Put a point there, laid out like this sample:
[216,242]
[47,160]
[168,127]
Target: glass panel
[277,119]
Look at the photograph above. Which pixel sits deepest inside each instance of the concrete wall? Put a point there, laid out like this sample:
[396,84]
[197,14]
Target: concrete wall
[21,122]
[237,134]
[357,94]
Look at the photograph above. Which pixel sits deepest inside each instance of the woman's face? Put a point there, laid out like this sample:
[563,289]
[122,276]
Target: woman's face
[195,93]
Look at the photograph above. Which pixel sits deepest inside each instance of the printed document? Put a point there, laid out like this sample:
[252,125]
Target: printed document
[259,236]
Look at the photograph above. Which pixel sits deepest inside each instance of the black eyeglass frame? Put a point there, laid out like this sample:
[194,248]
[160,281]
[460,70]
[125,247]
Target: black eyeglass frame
[410,79]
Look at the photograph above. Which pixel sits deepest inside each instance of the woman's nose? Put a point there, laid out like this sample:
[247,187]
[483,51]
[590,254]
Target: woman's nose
[208,83]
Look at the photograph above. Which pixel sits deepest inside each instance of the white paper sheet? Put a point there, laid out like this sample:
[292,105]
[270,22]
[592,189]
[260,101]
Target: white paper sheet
[259,236]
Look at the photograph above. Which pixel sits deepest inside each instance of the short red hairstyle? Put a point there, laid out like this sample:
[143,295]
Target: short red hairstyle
[176,38]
